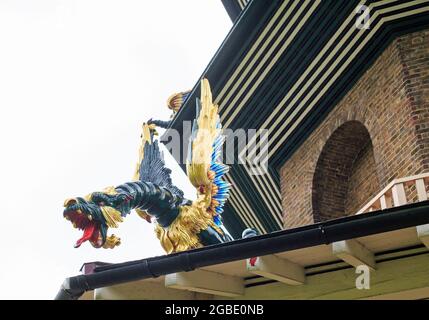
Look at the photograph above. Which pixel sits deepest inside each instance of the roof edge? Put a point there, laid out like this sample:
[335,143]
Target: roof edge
[316,234]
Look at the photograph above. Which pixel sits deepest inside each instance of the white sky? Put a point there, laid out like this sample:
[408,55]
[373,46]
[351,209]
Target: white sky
[77,79]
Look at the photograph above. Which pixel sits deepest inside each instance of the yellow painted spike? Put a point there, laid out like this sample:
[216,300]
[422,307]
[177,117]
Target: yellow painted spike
[202,146]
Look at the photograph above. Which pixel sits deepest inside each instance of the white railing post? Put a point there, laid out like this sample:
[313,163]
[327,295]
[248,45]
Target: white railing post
[421,190]
[394,195]
[398,193]
[383,203]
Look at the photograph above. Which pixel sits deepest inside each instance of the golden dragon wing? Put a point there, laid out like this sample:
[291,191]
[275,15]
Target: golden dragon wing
[204,167]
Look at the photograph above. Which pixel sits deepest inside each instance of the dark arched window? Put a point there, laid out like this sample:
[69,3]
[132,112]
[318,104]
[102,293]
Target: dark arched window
[346,176]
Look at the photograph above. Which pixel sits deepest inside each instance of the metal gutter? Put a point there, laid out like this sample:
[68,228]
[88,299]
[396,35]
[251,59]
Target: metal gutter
[280,241]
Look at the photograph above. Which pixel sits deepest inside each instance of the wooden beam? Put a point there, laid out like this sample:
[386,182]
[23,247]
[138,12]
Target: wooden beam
[353,253]
[275,268]
[206,282]
[413,294]
[391,277]
[144,290]
[423,234]
[88,295]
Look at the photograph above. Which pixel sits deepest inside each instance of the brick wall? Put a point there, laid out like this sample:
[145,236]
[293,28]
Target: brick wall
[379,131]
[363,180]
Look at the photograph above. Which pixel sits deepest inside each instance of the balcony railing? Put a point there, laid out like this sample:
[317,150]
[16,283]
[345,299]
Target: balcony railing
[394,194]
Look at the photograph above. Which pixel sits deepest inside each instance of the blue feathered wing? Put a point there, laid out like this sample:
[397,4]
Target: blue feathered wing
[204,164]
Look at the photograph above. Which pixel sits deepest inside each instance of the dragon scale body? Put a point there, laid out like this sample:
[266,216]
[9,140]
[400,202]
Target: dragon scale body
[147,196]
[180,223]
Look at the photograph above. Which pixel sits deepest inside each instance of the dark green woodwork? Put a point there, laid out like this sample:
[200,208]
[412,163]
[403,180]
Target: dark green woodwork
[307,44]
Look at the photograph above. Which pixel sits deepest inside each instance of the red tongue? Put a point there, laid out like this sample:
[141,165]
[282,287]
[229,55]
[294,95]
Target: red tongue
[87,234]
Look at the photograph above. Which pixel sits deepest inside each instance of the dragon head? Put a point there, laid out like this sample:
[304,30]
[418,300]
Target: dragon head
[94,214]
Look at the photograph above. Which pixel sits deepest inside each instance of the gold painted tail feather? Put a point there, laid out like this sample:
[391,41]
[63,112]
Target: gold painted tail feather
[198,167]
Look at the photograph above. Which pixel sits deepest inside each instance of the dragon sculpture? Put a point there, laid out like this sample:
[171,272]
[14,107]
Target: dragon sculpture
[180,224]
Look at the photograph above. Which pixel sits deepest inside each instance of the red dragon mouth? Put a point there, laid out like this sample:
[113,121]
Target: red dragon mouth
[90,233]
[90,228]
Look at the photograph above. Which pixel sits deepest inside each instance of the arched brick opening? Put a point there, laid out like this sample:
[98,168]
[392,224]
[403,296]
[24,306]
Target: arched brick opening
[346,176]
